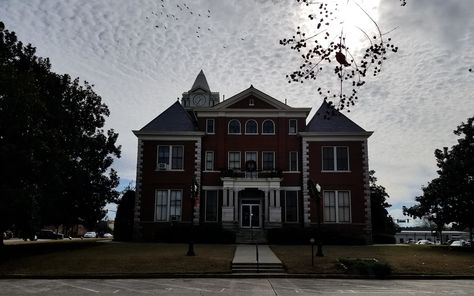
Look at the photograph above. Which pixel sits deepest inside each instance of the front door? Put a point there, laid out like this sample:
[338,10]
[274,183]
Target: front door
[250,215]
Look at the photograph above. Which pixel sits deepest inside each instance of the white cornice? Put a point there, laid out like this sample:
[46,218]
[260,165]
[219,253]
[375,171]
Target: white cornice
[296,112]
[169,136]
[335,136]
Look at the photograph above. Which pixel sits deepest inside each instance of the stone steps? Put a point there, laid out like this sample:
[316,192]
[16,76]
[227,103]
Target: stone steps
[258,268]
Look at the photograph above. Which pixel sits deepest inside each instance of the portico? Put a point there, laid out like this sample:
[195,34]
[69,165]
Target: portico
[251,202]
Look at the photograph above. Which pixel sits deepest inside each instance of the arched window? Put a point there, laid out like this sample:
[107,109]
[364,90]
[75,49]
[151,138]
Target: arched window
[234,127]
[251,127]
[268,127]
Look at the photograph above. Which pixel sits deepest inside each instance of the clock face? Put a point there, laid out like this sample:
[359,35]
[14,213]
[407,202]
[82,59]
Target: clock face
[199,100]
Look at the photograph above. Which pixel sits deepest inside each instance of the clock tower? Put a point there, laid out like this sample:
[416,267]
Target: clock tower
[200,95]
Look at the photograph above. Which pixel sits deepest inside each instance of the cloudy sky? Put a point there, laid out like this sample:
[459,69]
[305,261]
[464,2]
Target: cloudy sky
[142,55]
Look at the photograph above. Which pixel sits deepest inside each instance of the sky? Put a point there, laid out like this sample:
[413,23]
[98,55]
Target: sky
[142,55]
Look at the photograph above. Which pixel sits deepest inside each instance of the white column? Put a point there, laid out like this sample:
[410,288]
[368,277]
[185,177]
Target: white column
[224,198]
[277,197]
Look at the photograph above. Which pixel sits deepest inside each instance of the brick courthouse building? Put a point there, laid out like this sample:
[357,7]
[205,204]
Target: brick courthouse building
[249,158]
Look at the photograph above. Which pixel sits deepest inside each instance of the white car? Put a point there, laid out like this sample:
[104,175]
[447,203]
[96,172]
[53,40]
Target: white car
[424,242]
[108,235]
[459,243]
[90,234]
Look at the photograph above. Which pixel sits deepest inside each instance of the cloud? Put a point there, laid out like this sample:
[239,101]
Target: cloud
[139,69]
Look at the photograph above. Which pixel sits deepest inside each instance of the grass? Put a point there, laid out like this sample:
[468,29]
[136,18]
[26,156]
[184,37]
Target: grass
[91,257]
[403,259]
[95,257]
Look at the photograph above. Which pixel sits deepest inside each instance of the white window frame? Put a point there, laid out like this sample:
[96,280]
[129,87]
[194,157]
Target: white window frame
[334,150]
[274,127]
[263,167]
[168,205]
[217,206]
[289,126]
[297,206]
[213,126]
[228,127]
[228,160]
[170,158]
[256,125]
[207,159]
[289,161]
[336,196]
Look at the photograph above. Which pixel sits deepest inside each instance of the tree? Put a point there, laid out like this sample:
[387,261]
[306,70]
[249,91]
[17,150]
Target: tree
[435,205]
[327,50]
[382,222]
[449,197]
[55,155]
[457,167]
[123,228]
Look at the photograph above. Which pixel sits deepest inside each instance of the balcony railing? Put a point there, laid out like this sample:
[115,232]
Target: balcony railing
[255,174]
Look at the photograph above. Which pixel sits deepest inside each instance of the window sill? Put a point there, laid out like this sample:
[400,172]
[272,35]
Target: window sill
[210,133]
[158,170]
[336,171]
[211,171]
[251,134]
[291,172]
[264,134]
[231,134]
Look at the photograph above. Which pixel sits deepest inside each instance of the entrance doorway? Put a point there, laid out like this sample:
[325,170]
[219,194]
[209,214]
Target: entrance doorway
[250,214]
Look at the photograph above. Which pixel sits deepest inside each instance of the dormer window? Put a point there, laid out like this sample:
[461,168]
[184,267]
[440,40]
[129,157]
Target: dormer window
[268,127]
[251,127]
[234,127]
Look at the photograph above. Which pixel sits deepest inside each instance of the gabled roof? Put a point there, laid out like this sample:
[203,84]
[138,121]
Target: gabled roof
[200,83]
[173,119]
[252,91]
[328,119]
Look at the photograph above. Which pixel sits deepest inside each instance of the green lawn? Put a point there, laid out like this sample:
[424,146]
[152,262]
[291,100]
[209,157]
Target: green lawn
[404,259]
[63,258]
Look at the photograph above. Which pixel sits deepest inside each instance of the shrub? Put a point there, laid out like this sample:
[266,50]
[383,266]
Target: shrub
[363,266]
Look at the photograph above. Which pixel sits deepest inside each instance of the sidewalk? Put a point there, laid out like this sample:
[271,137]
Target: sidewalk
[248,254]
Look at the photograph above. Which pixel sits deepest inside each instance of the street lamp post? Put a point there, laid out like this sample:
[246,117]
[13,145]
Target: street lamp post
[315,192]
[194,194]
[311,240]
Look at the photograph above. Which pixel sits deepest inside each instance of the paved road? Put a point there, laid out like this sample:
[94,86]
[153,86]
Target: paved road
[247,287]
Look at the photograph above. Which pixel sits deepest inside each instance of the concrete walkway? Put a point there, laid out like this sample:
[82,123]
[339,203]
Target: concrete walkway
[248,254]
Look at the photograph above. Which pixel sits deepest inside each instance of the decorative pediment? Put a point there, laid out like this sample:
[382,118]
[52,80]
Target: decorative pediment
[252,98]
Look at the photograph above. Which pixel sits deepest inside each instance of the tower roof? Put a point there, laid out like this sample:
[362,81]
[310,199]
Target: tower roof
[201,83]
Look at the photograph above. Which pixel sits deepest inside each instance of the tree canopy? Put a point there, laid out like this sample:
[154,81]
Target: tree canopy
[383,227]
[449,198]
[56,156]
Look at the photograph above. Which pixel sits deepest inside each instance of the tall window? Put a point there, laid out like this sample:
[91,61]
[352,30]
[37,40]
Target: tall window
[211,206]
[292,126]
[234,160]
[291,206]
[168,205]
[268,161]
[268,127]
[293,166]
[209,160]
[234,127]
[335,158]
[337,206]
[251,127]
[210,126]
[170,157]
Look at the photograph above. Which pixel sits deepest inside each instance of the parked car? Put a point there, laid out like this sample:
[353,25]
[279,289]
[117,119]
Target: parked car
[107,235]
[459,243]
[90,234]
[49,234]
[7,235]
[424,242]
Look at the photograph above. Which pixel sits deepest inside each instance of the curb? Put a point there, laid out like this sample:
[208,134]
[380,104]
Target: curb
[234,275]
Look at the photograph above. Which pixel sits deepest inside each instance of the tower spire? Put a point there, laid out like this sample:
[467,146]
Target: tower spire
[201,82]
